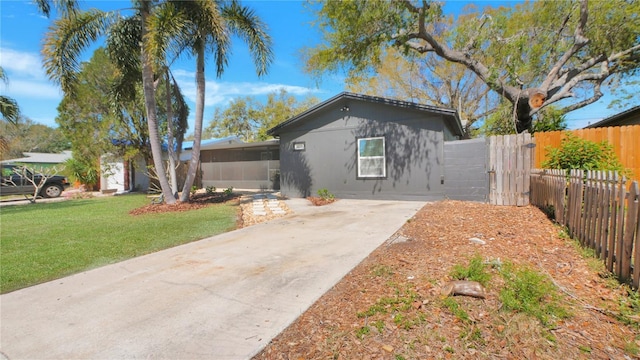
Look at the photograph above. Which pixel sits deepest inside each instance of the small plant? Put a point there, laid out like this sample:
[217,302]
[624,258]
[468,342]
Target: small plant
[324,194]
[379,325]
[476,271]
[228,191]
[453,306]
[630,308]
[193,189]
[361,332]
[382,271]
[631,348]
[529,292]
[210,190]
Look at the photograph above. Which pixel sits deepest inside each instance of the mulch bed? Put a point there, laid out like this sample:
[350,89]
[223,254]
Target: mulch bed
[419,260]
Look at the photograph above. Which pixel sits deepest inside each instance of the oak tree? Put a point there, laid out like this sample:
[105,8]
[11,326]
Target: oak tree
[533,54]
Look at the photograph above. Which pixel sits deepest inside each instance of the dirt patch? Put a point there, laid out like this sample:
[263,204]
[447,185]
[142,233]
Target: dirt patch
[390,306]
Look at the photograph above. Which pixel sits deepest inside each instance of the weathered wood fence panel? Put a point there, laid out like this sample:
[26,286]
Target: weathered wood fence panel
[598,211]
[510,163]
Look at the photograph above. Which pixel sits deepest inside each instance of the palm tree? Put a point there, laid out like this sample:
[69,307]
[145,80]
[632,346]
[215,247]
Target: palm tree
[200,26]
[10,112]
[76,30]
[8,106]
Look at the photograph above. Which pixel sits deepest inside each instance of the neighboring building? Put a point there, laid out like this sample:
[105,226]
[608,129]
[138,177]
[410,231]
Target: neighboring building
[41,159]
[367,147]
[241,165]
[122,176]
[628,117]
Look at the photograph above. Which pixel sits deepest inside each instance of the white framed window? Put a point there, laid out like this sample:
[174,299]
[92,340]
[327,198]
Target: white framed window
[372,157]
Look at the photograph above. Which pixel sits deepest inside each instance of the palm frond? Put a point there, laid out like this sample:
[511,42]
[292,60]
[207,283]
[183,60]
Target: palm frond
[66,40]
[65,7]
[9,109]
[244,23]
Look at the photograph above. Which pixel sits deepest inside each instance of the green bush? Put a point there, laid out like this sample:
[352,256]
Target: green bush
[83,171]
[578,153]
[324,194]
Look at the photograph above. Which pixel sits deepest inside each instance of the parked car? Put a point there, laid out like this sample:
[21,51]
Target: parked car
[14,183]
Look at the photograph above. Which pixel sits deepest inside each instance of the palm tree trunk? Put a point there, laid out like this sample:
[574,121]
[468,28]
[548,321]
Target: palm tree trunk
[197,128]
[150,106]
[172,154]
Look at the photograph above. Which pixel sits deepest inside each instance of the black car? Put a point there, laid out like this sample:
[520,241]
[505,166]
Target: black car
[14,183]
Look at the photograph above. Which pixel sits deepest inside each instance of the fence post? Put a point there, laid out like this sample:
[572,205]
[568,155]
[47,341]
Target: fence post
[619,232]
[629,230]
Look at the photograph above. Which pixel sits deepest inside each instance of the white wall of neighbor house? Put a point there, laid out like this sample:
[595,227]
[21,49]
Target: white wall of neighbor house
[112,177]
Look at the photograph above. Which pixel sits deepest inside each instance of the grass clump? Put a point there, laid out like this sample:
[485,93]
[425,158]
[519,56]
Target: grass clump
[453,306]
[532,293]
[382,271]
[475,271]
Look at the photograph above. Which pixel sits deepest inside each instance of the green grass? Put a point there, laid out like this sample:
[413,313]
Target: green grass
[45,241]
[476,271]
[532,293]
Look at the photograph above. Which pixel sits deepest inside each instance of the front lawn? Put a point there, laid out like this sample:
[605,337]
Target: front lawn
[45,241]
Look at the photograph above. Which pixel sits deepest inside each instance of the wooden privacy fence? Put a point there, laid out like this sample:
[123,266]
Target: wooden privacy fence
[510,163]
[625,141]
[599,211]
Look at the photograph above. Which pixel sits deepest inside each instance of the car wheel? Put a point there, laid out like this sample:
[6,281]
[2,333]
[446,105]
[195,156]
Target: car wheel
[51,191]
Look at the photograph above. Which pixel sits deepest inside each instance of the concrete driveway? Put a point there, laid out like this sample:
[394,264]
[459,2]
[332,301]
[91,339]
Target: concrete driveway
[223,297]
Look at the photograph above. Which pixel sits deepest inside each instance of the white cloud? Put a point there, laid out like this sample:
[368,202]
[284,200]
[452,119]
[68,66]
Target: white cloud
[21,64]
[219,93]
[35,89]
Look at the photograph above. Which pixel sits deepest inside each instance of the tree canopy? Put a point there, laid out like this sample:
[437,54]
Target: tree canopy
[249,119]
[533,54]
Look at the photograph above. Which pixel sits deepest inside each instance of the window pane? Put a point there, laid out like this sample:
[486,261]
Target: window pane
[371,167]
[371,147]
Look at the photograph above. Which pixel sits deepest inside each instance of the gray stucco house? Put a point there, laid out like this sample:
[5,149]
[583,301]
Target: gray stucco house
[366,147]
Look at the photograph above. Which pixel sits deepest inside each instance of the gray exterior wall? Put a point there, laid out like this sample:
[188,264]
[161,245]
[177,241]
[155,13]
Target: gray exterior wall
[465,170]
[414,153]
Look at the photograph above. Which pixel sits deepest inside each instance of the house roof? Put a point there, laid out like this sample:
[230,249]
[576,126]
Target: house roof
[206,144]
[618,119]
[41,158]
[243,145]
[450,115]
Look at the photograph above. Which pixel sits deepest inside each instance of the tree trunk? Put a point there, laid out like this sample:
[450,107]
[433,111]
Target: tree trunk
[150,106]
[197,129]
[170,145]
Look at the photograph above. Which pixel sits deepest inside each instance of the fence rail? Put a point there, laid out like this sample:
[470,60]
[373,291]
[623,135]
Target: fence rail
[599,211]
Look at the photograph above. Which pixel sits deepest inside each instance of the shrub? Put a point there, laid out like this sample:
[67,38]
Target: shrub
[228,191]
[532,293]
[210,189]
[578,153]
[324,194]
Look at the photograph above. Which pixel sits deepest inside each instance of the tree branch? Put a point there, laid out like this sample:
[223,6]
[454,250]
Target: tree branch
[597,94]
[580,41]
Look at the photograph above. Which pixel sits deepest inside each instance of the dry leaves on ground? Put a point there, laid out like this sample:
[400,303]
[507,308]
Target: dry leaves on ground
[390,306]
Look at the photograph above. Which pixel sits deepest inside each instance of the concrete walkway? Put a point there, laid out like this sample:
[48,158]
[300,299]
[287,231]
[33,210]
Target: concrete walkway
[224,297]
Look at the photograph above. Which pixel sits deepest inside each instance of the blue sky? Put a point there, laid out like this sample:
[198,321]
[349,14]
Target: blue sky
[22,29]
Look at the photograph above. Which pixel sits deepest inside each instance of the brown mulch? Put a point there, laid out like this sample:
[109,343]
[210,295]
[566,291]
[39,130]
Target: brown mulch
[319,201]
[416,263]
[196,201]
[201,199]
